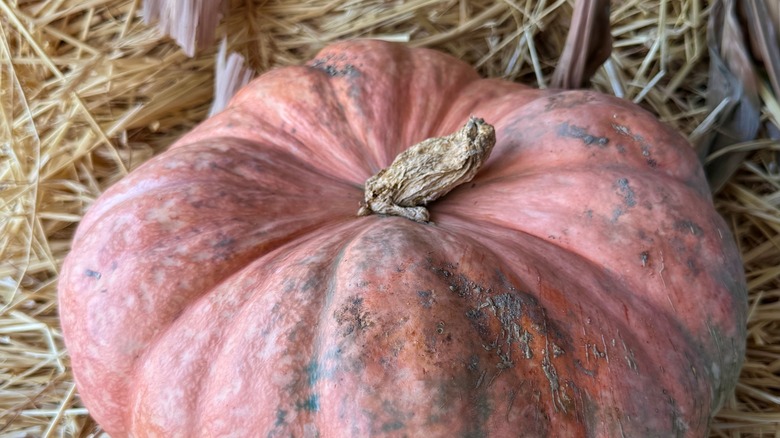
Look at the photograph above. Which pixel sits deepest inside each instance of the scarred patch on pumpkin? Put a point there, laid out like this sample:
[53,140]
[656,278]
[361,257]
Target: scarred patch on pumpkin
[425,298]
[352,317]
[335,66]
[578,132]
[513,326]
[625,190]
[643,144]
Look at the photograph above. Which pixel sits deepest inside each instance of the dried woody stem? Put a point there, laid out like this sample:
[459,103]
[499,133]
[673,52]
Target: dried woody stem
[428,171]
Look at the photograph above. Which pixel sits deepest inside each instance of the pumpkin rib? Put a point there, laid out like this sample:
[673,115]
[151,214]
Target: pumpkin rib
[369,156]
[460,236]
[343,76]
[651,240]
[298,115]
[141,188]
[469,227]
[585,127]
[624,331]
[169,345]
[444,71]
[359,81]
[229,333]
[130,204]
[492,99]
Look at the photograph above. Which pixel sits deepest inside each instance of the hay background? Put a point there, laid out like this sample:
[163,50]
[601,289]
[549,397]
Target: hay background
[88,92]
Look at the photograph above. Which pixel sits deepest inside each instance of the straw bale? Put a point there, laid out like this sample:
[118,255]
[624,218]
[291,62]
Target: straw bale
[88,91]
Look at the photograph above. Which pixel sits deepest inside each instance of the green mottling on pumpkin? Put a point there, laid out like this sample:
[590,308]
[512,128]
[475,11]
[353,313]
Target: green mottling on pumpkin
[312,403]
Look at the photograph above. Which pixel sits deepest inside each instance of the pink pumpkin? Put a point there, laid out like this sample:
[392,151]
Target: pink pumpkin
[581,285]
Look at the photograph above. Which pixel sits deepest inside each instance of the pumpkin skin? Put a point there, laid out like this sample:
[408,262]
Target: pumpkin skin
[581,285]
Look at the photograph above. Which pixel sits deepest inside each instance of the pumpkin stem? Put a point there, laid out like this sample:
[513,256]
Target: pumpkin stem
[428,171]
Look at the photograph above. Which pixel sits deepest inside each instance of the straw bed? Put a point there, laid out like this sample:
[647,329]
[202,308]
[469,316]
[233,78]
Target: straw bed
[88,91]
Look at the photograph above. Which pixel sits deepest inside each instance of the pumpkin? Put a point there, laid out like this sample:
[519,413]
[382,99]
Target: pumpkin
[581,284]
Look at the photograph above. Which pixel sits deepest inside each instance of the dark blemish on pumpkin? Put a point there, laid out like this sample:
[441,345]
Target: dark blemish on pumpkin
[292,336]
[395,417]
[644,146]
[352,317]
[225,242]
[652,163]
[94,274]
[314,372]
[644,257]
[333,69]
[392,426]
[293,131]
[114,265]
[473,364]
[355,93]
[589,213]
[578,132]
[552,378]
[478,320]
[509,309]
[620,148]
[524,343]
[281,416]
[620,129]
[311,283]
[457,284]
[686,225]
[616,213]
[461,286]
[482,410]
[629,198]
[578,364]
[311,404]
[692,266]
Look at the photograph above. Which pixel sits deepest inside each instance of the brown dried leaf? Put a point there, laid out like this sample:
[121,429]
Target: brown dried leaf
[189,22]
[588,44]
[764,23]
[732,93]
[763,36]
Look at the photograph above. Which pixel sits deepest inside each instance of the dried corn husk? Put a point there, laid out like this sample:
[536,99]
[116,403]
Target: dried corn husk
[191,23]
[230,75]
